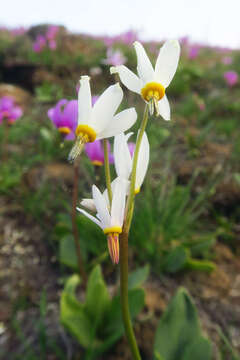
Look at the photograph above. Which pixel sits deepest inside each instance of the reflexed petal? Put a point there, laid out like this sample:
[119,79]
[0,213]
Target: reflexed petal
[84,101]
[56,113]
[167,62]
[144,66]
[122,157]
[96,221]
[106,106]
[128,78]
[164,108]
[101,207]
[118,202]
[143,160]
[88,204]
[70,136]
[119,123]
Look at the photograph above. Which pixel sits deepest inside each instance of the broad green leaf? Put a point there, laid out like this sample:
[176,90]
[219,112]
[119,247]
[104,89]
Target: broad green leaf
[72,313]
[178,328]
[138,277]
[200,349]
[114,317]
[67,254]
[97,297]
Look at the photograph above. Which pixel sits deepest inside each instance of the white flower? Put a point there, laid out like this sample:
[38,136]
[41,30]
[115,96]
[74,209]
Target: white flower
[110,221]
[123,160]
[89,203]
[98,122]
[150,83]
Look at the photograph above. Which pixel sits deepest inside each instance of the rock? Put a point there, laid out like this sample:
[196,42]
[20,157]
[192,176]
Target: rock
[22,97]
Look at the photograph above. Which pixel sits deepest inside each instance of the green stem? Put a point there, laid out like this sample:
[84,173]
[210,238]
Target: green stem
[130,201]
[107,171]
[124,295]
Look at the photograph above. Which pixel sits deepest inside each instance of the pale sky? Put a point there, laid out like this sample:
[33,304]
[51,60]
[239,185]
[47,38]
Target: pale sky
[213,22]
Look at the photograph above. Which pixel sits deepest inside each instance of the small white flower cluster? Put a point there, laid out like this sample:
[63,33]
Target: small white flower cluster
[99,122]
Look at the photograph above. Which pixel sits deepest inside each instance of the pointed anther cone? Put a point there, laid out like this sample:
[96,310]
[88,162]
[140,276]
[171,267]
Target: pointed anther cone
[113,247]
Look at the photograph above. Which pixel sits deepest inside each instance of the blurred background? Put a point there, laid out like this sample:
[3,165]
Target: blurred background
[186,229]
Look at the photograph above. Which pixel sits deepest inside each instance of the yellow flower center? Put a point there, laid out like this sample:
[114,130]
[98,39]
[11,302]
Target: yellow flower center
[153,90]
[137,190]
[97,163]
[113,229]
[86,133]
[64,130]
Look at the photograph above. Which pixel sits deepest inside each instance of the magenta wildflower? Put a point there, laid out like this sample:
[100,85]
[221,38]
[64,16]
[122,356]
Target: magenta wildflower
[193,52]
[39,44]
[131,147]
[95,153]
[114,58]
[129,37]
[231,78]
[52,32]
[227,60]
[64,117]
[8,110]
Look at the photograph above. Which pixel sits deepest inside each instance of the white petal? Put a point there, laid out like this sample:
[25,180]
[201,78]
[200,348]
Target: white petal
[164,108]
[118,202]
[143,160]
[167,62]
[106,106]
[144,66]
[101,206]
[128,78]
[119,123]
[96,221]
[88,204]
[122,156]
[84,101]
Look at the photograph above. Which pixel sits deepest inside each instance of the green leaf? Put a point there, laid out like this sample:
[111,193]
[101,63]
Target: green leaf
[200,265]
[200,349]
[97,297]
[67,253]
[178,329]
[138,277]
[114,322]
[72,313]
[175,260]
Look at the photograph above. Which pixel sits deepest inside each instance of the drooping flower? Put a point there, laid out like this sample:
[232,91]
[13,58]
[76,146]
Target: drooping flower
[95,153]
[99,122]
[231,78]
[123,159]
[110,220]
[64,117]
[114,57]
[8,110]
[150,83]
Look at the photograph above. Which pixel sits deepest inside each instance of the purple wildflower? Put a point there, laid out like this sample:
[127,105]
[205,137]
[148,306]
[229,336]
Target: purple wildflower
[114,58]
[64,117]
[8,110]
[52,32]
[231,78]
[227,60]
[193,52]
[39,44]
[95,153]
